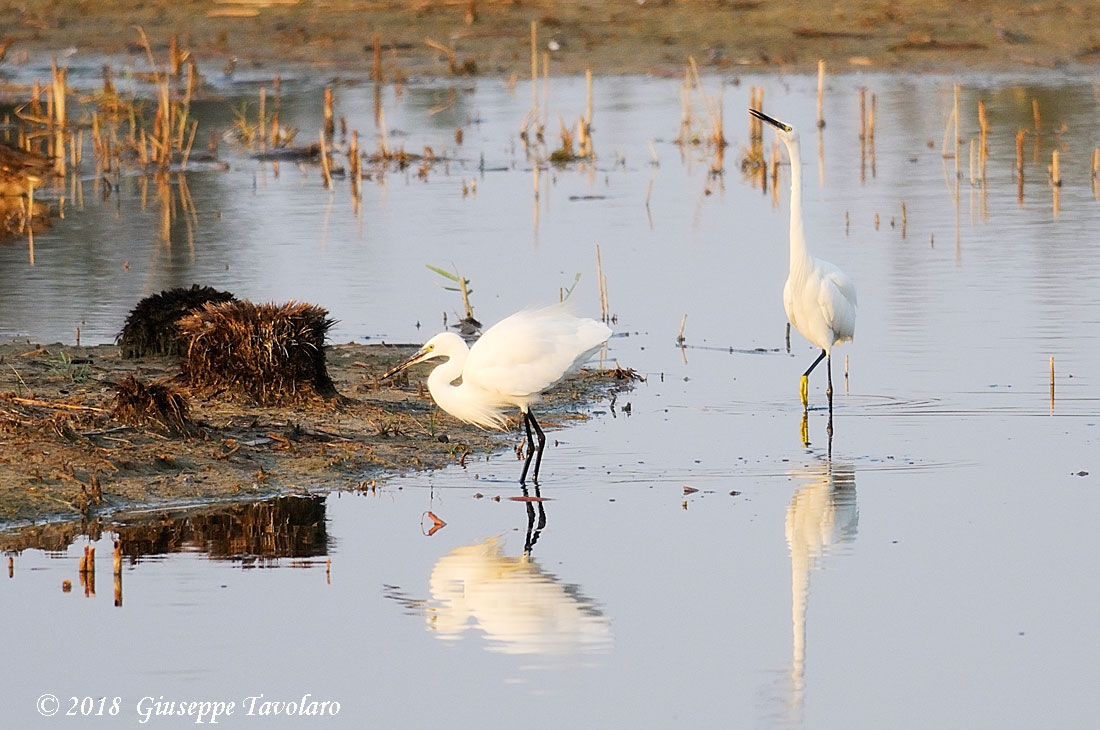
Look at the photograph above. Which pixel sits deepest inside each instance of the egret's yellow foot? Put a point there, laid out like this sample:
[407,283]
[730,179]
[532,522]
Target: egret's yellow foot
[805,428]
[804,391]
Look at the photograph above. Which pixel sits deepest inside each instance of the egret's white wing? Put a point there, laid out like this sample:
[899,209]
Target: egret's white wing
[526,353]
[837,298]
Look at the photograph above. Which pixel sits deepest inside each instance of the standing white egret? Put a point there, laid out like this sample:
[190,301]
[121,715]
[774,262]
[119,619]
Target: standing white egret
[819,298]
[511,364]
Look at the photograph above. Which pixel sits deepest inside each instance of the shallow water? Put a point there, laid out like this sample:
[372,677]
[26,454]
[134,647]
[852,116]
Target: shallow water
[934,565]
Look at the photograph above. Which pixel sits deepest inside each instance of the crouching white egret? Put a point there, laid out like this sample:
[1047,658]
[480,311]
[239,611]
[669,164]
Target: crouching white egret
[819,298]
[510,365]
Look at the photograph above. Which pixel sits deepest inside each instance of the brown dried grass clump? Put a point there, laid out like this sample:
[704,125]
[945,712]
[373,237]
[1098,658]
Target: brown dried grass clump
[270,353]
[151,326]
[155,404]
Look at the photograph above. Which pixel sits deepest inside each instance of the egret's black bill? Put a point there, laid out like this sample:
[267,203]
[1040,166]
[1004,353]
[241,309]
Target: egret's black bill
[774,122]
[408,363]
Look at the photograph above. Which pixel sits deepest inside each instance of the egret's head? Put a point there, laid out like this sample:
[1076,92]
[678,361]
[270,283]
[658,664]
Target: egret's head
[442,345]
[785,131]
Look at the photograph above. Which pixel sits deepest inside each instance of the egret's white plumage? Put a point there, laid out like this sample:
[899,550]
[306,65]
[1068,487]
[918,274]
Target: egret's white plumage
[511,364]
[819,298]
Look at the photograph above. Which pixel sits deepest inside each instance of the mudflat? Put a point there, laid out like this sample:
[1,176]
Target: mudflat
[64,452]
[416,38]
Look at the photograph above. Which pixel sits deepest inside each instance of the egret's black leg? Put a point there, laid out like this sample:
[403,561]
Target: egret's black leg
[829,390]
[530,447]
[811,368]
[530,436]
[804,385]
[542,445]
[788,338]
[532,450]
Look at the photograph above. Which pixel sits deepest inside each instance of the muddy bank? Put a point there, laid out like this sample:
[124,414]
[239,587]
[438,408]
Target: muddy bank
[492,37]
[63,454]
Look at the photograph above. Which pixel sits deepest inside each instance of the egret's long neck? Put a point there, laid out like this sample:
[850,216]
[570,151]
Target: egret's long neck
[441,378]
[800,257]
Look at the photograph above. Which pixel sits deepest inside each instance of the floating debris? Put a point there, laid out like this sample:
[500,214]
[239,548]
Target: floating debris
[304,153]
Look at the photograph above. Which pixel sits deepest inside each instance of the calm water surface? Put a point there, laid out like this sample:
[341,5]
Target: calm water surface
[935,565]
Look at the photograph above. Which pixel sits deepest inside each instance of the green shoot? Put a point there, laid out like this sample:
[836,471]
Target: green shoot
[463,287]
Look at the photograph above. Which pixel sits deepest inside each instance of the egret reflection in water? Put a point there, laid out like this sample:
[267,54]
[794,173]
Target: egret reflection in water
[823,514]
[521,608]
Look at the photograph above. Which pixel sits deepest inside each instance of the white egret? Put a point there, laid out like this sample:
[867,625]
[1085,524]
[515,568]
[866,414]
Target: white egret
[819,298]
[510,365]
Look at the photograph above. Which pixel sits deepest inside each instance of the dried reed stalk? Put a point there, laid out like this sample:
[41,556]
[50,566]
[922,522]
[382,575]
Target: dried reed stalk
[326,168]
[330,126]
[376,62]
[820,93]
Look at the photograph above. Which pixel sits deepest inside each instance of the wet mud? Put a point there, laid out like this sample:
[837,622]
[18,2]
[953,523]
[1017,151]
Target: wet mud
[63,453]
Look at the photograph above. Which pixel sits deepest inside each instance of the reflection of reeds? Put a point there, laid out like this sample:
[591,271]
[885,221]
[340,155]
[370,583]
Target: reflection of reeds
[87,571]
[285,527]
